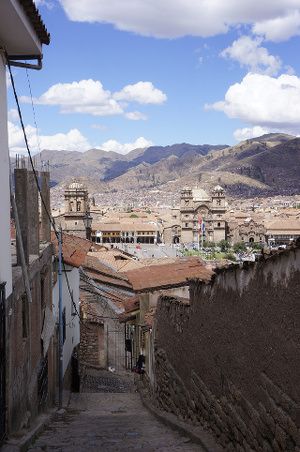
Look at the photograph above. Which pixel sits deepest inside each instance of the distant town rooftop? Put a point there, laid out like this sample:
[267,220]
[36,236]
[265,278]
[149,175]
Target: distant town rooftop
[164,276]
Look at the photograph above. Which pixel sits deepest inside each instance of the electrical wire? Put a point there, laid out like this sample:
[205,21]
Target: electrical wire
[51,219]
[34,115]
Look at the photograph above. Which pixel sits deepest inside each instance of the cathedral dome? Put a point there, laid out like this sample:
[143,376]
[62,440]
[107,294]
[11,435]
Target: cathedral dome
[76,186]
[218,189]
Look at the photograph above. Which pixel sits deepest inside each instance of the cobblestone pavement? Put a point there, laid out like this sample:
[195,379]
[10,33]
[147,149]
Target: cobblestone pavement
[109,422]
[103,381]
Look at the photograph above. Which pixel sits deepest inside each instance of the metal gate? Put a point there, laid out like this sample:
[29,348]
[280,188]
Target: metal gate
[2,363]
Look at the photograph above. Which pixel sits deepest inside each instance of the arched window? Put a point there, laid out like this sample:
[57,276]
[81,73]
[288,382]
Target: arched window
[78,206]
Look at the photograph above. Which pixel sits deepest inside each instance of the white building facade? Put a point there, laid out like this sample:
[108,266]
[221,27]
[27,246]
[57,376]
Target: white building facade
[70,311]
[22,33]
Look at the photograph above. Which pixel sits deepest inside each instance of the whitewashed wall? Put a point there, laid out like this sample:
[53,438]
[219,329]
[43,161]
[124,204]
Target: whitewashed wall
[72,321]
[5,253]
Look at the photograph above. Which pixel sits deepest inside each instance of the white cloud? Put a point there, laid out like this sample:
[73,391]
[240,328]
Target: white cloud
[89,97]
[264,101]
[249,53]
[85,96]
[175,18]
[136,116]
[250,132]
[115,146]
[70,141]
[141,92]
[279,28]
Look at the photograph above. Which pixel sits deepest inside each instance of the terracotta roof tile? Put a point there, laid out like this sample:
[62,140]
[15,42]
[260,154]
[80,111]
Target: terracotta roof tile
[174,274]
[75,248]
[284,224]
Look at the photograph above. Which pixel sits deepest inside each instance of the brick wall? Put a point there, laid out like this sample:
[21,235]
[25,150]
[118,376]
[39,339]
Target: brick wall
[230,359]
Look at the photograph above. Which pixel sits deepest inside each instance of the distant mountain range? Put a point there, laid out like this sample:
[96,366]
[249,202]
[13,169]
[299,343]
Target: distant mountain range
[269,164]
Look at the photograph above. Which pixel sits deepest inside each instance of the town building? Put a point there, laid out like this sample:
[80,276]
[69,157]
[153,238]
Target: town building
[282,231]
[74,250]
[76,207]
[30,339]
[149,284]
[26,361]
[244,228]
[134,232]
[103,292]
[202,215]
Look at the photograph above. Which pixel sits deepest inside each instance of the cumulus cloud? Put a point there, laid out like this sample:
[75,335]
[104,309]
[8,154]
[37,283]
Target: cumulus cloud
[250,54]
[250,132]
[176,18]
[279,28]
[124,148]
[89,97]
[85,96]
[264,101]
[141,92]
[70,141]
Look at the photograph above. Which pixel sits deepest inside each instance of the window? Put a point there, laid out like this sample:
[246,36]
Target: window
[186,225]
[78,206]
[219,224]
[76,223]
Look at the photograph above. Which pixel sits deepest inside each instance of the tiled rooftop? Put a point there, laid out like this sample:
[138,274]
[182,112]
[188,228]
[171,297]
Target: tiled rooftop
[168,275]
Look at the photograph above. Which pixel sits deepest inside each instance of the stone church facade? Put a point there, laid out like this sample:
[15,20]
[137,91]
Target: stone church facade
[76,205]
[196,205]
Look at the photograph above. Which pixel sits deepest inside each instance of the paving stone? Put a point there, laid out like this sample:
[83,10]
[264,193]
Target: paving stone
[108,416]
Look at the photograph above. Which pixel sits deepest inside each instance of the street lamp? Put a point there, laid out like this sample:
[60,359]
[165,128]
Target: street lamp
[87,220]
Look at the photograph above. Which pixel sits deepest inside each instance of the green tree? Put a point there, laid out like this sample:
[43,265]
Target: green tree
[208,244]
[240,246]
[224,245]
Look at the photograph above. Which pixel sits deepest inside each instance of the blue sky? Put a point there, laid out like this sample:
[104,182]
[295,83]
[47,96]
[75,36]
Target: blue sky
[175,81]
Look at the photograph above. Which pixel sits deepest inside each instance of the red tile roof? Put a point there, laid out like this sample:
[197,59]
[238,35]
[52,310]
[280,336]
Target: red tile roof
[74,249]
[170,275]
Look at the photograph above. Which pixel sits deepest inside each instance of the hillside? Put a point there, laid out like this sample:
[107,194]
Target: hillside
[99,165]
[267,165]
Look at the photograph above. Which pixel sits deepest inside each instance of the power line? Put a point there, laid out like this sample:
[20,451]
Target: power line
[51,219]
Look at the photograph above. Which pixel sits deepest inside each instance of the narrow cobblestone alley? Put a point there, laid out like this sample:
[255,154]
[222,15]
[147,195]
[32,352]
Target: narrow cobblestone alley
[108,415]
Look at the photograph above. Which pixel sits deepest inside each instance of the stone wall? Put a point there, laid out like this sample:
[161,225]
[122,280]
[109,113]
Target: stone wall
[230,359]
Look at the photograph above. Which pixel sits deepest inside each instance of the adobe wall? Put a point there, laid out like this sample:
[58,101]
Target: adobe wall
[230,359]
[27,392]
